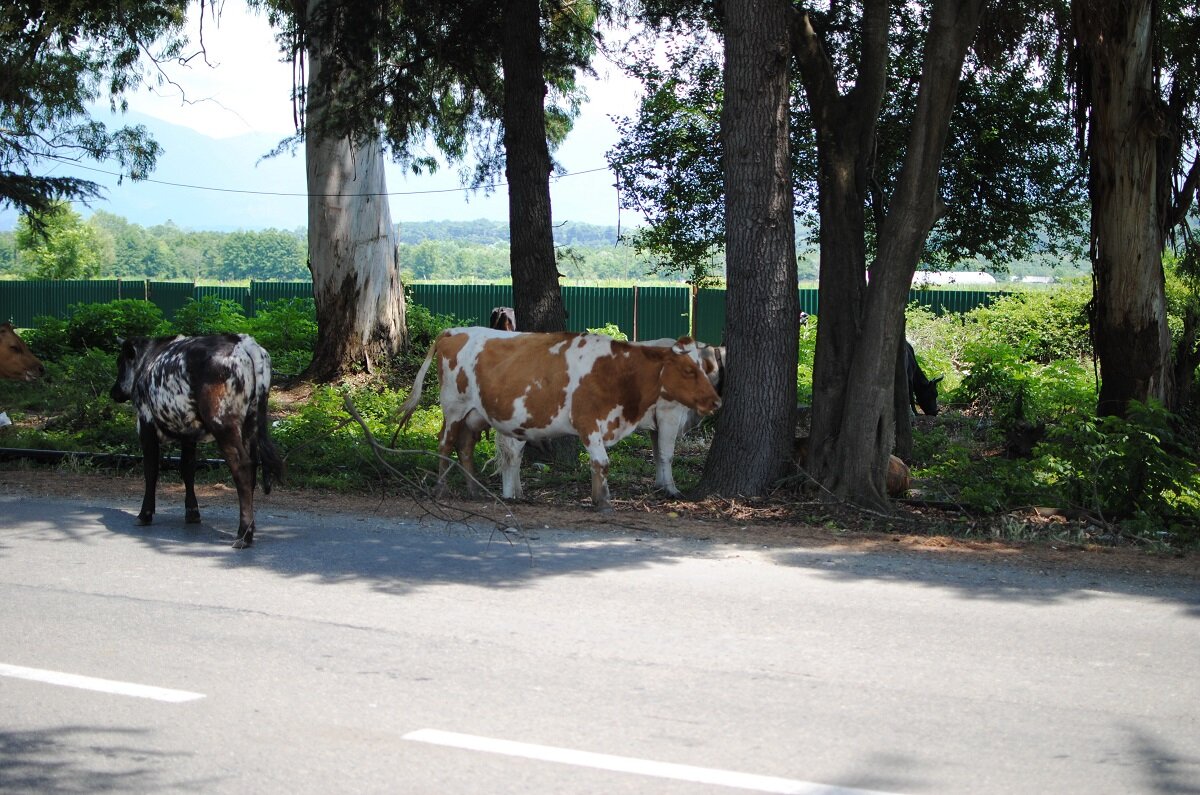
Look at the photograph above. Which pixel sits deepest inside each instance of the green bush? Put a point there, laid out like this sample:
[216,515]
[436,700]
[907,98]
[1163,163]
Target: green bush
[210,315]
[807,349]
[49,339]
[610,330]
[1041,325]
[1139,469]
[102,326]
[285,326]
[77,388]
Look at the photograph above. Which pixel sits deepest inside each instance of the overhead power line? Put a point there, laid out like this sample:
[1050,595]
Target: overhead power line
[75,164]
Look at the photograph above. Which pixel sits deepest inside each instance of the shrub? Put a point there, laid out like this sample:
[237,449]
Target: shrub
[210,315]
[49,338]
[610,330]
[102,326]
[1041,325]
[285,326]
[1138,469]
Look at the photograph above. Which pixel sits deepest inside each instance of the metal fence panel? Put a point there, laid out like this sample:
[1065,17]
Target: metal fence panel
[237,294]
[169,296]
[662,312]
[592,307]
[470,304]
[268,292]
[943,302]
[808,300]
[22,301]
[710,316]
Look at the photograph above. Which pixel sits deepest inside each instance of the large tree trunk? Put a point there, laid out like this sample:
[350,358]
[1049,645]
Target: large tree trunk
[749,453]
[1129,320]
[853,455]
[351,244]
[845,126]
[536,295]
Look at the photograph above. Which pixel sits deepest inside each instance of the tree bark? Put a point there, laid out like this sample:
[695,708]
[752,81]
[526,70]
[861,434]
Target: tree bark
[749,454]
[845,126]
[351,245]
[1129,319]
[536,295]
[855,435]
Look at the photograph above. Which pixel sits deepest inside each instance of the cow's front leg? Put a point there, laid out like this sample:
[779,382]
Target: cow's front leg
[187,469]
[509,450]
[662,439]
[150,461]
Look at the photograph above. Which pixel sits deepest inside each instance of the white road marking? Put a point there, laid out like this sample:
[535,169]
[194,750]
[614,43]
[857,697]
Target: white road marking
[99,685]
[626,764]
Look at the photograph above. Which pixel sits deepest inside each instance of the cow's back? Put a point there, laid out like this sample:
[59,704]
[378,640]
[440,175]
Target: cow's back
[541,385]
[187,384]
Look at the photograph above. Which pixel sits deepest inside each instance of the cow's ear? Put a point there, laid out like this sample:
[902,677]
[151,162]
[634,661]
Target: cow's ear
[684,345]
[935,380]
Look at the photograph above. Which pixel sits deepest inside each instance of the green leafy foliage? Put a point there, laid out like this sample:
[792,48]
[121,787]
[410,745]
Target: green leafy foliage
[610,330]
[1040,325]
[210,315]
[1139,469]
[93,326]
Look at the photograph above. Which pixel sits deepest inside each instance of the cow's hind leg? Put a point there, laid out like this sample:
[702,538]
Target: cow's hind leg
[150,461]
[469,431]
[187,469]
[241,467]
[599,457]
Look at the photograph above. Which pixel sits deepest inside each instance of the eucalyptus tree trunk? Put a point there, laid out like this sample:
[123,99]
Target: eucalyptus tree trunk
[536,295]
[351,243]
[753,443]
[1129,319]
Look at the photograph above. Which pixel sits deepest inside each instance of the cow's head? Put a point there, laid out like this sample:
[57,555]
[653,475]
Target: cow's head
[685,381]
[128,356]
[927,395]
[17,362]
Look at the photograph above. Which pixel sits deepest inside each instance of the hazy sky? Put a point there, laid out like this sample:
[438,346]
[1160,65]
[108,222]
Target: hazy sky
[244,89]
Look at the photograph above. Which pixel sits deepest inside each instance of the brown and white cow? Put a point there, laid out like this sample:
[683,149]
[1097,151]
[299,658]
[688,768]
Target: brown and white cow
[534,386]
[17,362]
[193,389]
[668,420]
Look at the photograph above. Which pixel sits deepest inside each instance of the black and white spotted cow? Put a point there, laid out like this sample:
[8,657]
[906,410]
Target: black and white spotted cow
[194,389]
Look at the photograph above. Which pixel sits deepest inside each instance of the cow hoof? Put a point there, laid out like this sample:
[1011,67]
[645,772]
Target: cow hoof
[242,543]
[192,517]
[605,509]
[145,519]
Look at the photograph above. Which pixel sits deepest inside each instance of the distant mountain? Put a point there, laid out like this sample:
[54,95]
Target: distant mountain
[225,184]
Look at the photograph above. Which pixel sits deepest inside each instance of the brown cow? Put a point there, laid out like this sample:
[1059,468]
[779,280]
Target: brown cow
[17,362]
[533,386]
[668,420]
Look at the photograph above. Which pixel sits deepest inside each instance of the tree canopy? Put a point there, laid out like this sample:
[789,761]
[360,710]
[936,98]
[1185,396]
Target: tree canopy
[56,58]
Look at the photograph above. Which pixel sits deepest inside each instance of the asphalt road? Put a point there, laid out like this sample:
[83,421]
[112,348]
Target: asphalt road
[352,654]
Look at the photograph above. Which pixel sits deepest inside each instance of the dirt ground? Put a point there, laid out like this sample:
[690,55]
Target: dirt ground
[763,523]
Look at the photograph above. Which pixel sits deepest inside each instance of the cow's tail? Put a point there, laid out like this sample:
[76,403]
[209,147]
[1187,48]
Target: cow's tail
[268,453]
[414,397]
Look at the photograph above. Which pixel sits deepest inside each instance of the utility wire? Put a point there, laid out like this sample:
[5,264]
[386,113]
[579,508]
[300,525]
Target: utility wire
[75,164]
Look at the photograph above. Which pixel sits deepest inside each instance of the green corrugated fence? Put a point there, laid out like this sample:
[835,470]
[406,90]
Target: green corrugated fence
[659,311]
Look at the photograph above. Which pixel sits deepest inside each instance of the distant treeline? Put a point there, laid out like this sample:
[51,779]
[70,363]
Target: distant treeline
[106,246]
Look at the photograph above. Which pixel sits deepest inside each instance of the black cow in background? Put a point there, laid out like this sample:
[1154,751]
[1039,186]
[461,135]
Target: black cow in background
[503,318]
[921,390]
[195,389]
